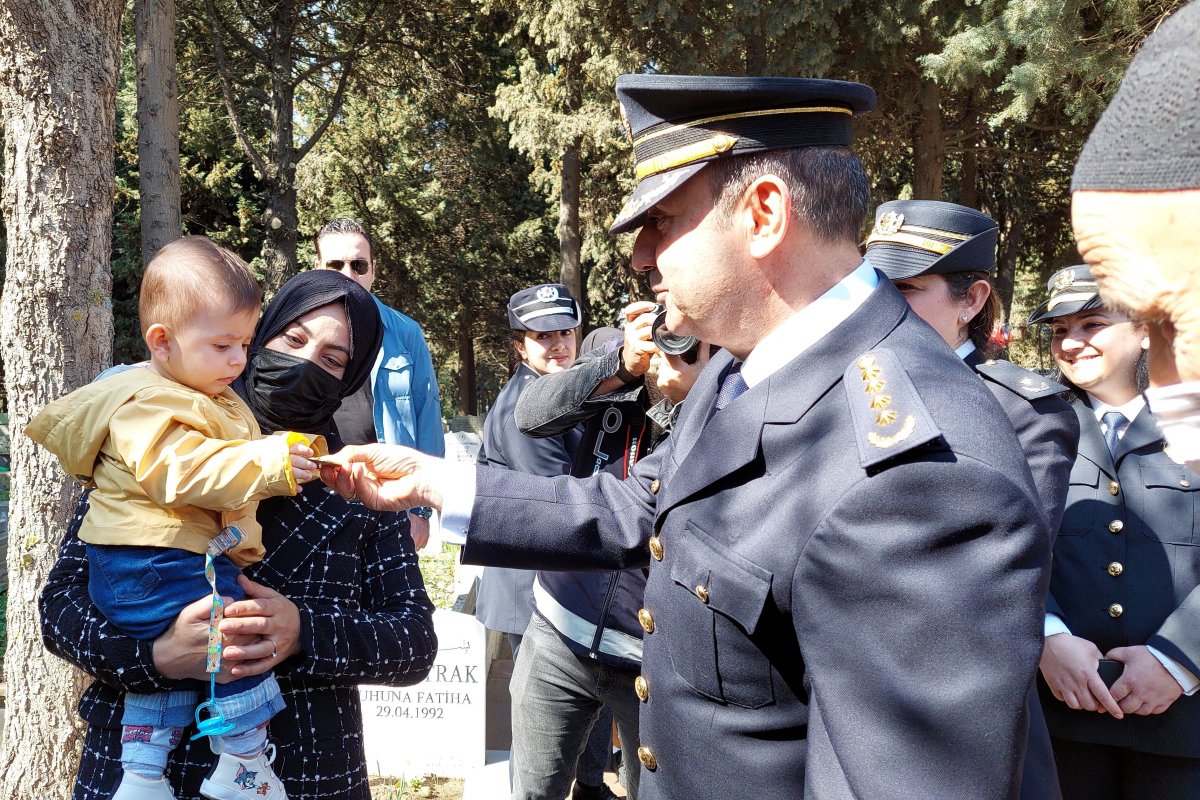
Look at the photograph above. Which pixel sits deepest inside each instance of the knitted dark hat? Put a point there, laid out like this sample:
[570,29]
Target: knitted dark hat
[1149,136]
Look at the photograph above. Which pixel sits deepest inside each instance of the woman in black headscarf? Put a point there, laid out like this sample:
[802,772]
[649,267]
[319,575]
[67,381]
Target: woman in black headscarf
[337,601]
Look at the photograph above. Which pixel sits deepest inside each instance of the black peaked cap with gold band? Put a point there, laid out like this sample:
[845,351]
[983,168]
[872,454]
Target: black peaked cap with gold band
[1072,290]
[680,123]
[930,237]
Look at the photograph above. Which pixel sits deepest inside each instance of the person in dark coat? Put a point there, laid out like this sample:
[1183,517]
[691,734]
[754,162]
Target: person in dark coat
[338,599]
[846,573]
[1122,655]
[544,321]
[941,256]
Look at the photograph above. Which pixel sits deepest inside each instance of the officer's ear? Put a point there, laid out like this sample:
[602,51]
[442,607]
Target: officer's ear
[767,205]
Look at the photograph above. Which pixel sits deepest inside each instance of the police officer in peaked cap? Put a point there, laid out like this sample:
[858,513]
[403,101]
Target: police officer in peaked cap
[1122,636]
[941,257]
[824,529]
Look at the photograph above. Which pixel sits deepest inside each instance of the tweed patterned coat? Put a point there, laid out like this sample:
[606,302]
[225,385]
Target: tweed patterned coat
[364,618]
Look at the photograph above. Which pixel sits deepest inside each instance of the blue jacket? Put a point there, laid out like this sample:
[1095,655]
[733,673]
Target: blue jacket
[594,613]
[408,410]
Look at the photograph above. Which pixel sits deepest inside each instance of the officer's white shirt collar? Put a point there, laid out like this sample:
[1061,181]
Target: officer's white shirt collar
[965,349]
[1129,410]
[810,324]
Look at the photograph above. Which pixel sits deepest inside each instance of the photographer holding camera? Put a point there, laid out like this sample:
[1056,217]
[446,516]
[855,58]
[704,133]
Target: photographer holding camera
[584,643]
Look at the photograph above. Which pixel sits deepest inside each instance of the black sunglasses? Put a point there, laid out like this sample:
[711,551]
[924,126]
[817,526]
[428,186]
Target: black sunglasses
[359,265]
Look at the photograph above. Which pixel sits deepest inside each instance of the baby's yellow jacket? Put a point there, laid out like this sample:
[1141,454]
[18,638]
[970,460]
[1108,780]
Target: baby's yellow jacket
[171,466]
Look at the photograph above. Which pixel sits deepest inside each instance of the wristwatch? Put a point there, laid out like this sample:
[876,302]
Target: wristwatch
[424,512]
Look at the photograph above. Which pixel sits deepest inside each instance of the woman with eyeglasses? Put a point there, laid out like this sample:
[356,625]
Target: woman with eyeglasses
[1122,654]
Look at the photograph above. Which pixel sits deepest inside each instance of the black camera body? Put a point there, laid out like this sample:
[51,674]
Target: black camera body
[683,346]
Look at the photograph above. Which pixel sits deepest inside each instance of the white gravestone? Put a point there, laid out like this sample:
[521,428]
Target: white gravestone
[437,726]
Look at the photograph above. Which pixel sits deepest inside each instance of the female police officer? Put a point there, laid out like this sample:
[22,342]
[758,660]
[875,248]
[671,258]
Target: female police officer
[1126,568]
[940,255]
[543,320]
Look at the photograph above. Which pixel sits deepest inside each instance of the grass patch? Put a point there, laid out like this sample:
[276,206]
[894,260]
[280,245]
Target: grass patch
[437,569]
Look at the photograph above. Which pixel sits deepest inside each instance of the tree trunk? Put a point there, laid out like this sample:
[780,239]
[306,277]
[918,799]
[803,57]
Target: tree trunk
[158,125]
[570,238]
[1012,239]
[468,395]
[279,244]
[58,78]
[280,217]
[968,193]
[929,145]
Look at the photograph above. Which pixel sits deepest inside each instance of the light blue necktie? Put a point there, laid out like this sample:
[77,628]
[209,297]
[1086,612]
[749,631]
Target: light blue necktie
[1113,421]
[732,387]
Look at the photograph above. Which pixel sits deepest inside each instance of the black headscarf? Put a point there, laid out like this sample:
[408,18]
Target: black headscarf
[267,382]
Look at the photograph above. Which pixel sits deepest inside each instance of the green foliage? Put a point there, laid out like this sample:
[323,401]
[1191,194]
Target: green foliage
[456,118]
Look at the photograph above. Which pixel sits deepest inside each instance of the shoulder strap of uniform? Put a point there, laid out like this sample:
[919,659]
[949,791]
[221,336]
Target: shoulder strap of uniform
[889,416]
[1024,382]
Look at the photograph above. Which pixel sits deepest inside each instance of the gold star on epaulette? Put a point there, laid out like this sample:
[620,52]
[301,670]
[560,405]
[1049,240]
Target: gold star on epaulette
[872,376]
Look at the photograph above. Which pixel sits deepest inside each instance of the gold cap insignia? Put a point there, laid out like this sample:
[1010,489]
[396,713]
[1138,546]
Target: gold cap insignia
[1064,280]
[889,223]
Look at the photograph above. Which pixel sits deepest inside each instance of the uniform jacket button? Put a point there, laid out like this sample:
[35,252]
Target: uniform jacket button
[1116,610]
[641,688]
[1114,488]
[646,756]
[702,593]
[656,548]
[1116,568]
[1116,526]
[646,620]
[654,485]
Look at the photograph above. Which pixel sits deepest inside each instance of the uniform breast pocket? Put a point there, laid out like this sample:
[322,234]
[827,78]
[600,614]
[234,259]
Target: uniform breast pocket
[397,372]
[1168,503]
[1083,507]
[716,604]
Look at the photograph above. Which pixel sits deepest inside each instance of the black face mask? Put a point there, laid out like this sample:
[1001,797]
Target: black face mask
[289,393]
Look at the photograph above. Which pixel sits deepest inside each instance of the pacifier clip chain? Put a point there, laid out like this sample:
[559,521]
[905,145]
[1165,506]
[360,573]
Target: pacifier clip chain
[215,724]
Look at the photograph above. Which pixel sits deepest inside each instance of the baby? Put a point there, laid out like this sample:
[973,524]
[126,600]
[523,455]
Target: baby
[178,464]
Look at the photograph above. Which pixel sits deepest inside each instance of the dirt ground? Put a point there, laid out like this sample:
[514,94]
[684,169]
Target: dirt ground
[417,789]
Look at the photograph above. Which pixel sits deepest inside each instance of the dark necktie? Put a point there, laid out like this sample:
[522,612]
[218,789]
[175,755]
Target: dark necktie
[732,386]
[1113,421]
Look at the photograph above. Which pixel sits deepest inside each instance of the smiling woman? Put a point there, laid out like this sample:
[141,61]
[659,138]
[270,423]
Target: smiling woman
[1121,632]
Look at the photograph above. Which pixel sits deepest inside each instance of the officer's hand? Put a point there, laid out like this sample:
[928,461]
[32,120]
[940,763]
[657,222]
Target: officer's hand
[675,377]
[386,477]
[1069,665]
[638,347]
[1145,687]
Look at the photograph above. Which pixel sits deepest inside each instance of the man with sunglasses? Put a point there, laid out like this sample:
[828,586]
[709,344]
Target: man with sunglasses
[400,404]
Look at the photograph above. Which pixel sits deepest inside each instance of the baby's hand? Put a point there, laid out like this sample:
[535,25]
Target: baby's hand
[303,470]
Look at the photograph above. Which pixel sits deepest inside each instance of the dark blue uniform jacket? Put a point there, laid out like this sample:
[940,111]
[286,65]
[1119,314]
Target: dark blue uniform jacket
[1136,516]
[846,577]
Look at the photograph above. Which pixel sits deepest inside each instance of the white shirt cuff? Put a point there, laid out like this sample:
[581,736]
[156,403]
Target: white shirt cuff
[1177,410]
[1054,624]
[458,498]
[1187,681]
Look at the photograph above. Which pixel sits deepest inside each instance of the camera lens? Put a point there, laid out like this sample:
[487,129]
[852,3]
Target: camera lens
[668,342]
